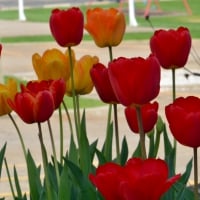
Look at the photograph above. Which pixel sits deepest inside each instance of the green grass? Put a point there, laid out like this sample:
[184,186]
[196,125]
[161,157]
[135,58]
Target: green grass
[173,15]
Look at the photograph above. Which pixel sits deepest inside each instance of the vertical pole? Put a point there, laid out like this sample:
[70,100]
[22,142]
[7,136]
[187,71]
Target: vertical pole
[131,8]
[21,14]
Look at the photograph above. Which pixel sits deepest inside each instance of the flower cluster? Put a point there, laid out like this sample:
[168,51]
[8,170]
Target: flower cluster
[132,82]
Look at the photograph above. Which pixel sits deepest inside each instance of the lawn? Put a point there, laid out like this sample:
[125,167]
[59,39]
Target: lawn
[173,15]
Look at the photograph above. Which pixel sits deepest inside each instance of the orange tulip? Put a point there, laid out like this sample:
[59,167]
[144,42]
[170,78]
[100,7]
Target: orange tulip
[82,81]
[107,27]
[53,64]
[7,91]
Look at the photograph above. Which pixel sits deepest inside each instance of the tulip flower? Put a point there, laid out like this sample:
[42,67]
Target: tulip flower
[149,117]
[135,80]
[67,26]
[106,26]
[56,87]
[171,47]
[0,49]
[53,64]
[37,101]
[100,78]
[82,81]
[7,91]
[138,179]
[183,116]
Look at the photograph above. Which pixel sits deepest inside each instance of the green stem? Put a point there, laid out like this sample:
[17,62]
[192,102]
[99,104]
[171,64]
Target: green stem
[45,164]
[61,134]
[116,132]
[9,178]
[110,53]
[78,109]
[19,134]
[141,131]
[173,98]
[173,84]
[68,117]
[195,174]
[54,153]
[106,152]
[74,95]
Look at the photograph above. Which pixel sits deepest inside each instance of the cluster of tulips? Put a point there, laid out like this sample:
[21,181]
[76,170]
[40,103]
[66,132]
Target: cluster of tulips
[131,82]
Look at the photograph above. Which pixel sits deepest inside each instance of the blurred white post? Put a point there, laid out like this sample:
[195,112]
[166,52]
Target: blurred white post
[131,10]
[22,16]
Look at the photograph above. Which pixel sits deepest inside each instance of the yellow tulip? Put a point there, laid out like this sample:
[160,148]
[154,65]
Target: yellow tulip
[82,81]
[106,26]
[52,65]
[7,91]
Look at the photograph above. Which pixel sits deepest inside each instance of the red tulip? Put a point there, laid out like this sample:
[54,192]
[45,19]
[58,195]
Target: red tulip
[135,80]
[56,87]
[183,116]
[37,101]
[171,47]
[149,117]
[67,26]
[107,179]
[138,179]
[0,49]
[100,78]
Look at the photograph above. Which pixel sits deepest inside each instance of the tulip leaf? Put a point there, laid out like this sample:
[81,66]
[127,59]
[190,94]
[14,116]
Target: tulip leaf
[34,178]
[86,189]
[107,146]
[17,185]
[152,144]
[137,153]
[100,157]
[2,153]
[124,151]
[73,152]
[85,158]
[64,191]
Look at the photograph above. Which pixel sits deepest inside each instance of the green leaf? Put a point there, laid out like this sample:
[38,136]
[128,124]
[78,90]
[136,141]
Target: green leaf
[64,191]
[86,189]
[124,151]
[35,185]
[17,185]
[107,146]
[137,153]
[84,149]
[101,157]
[73,152]
[167,144]
[151,144]
[2,153]
[186,175]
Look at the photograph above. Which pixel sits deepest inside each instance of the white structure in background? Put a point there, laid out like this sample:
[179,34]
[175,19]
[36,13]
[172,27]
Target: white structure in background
[21,14]
[131,10]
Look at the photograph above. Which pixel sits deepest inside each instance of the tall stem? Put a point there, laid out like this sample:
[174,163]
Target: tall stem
[61,134]
[9,178]
[110,53]
[74,95]
[68,117]
[45,163]
[116,132]
[173,98]
[141,132]
[173,84]
[195,174]
[54,153]
[19,134]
